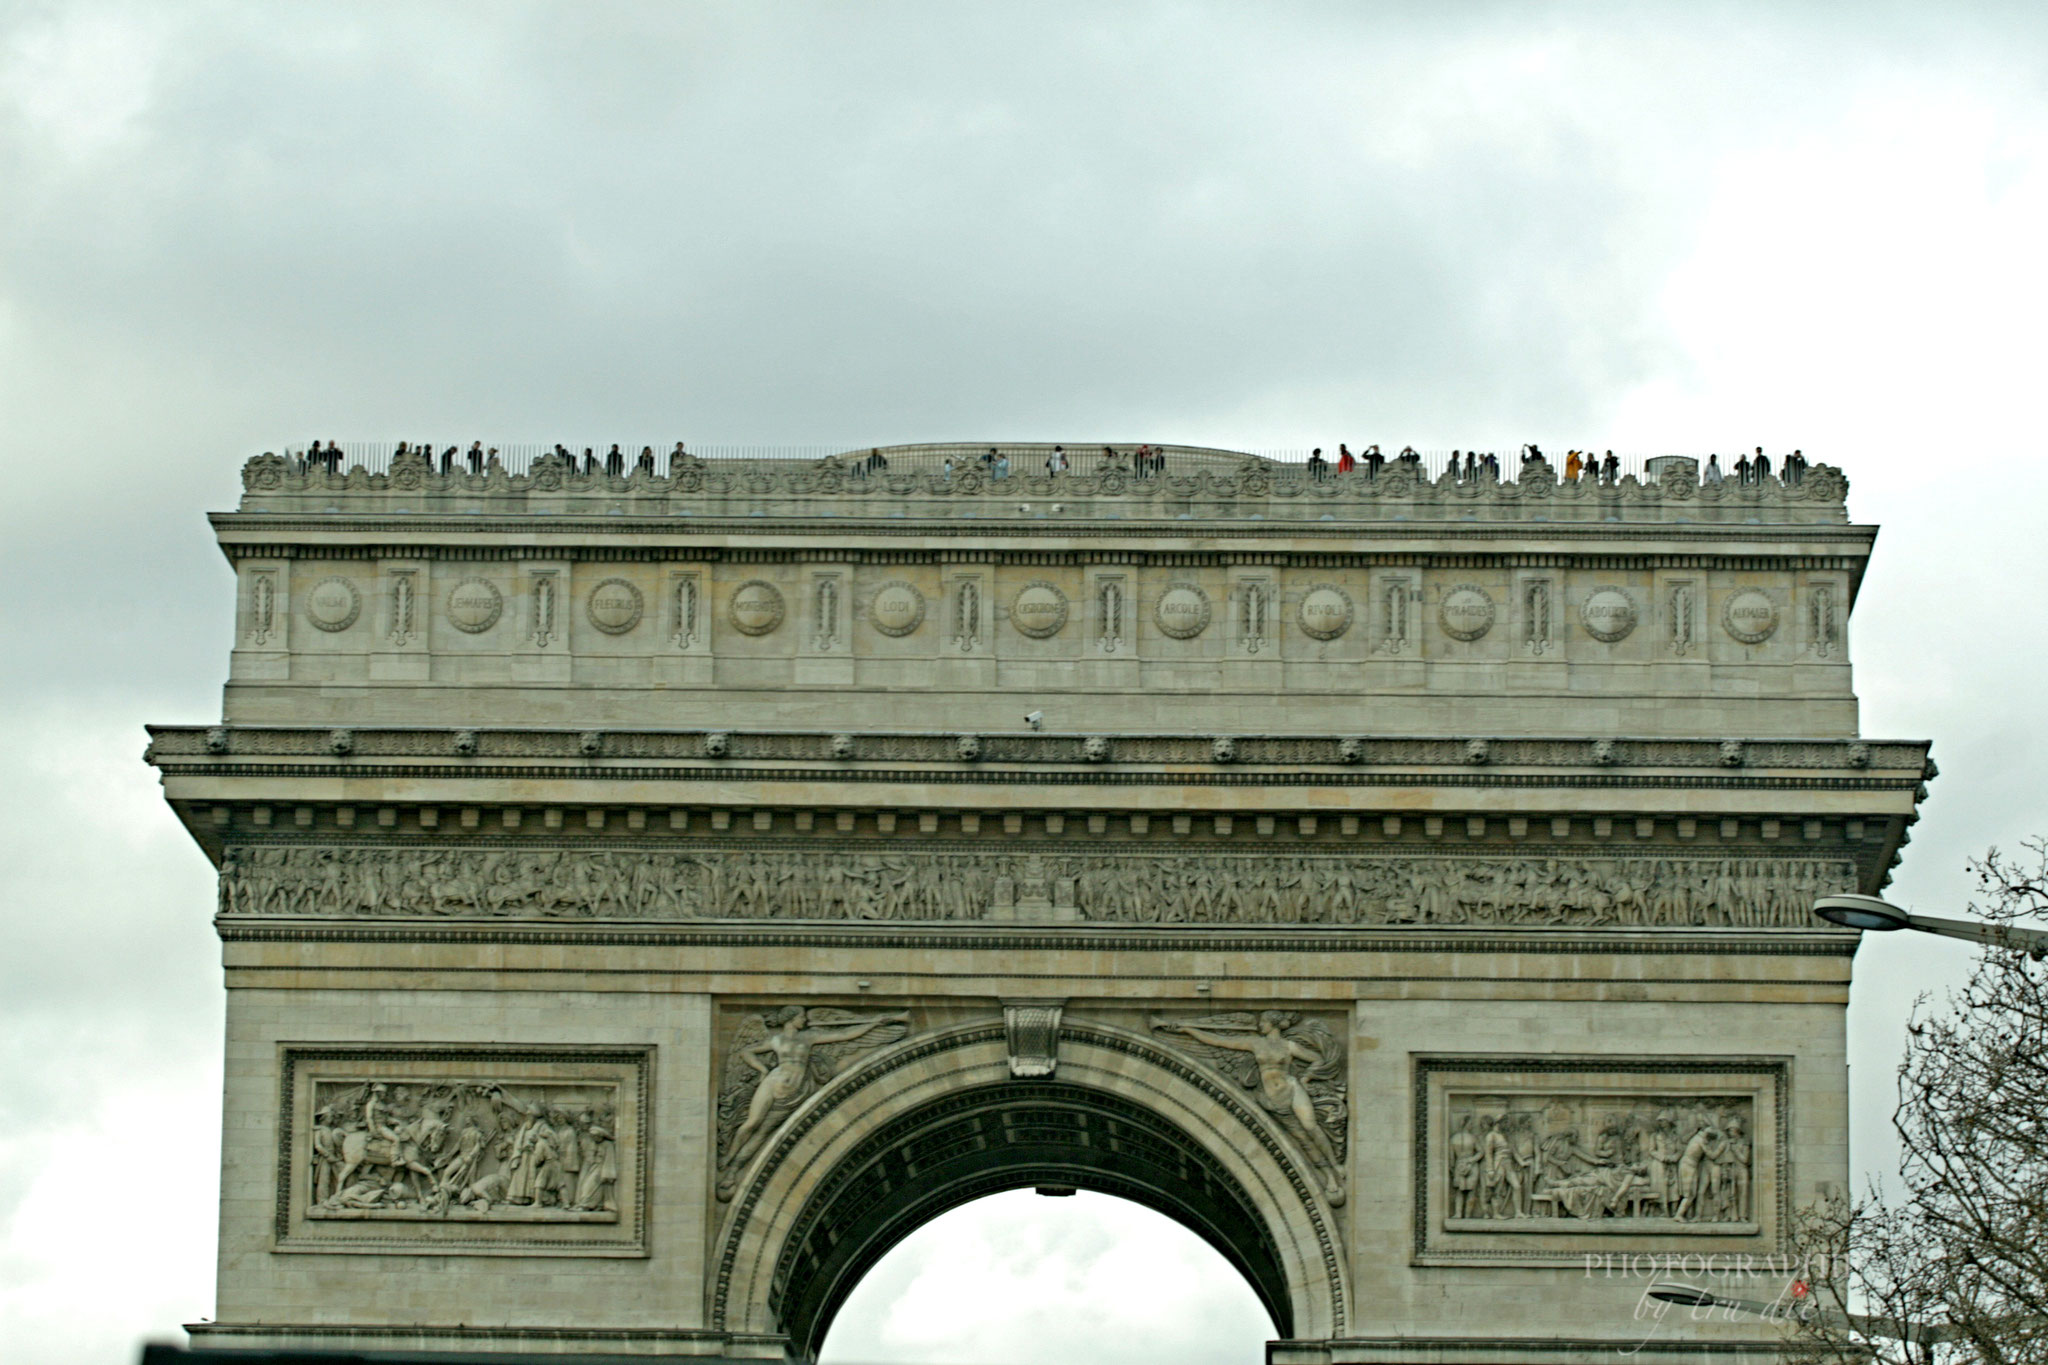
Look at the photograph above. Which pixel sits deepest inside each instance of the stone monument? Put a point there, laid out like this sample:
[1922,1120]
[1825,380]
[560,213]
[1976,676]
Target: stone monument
[644,900]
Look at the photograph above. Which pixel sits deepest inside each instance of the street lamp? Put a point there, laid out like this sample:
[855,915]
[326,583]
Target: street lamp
[1870,913]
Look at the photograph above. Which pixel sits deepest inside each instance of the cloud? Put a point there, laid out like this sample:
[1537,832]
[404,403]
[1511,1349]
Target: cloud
[228,227]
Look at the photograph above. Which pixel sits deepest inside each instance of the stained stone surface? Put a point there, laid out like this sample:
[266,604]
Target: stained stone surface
[642,900]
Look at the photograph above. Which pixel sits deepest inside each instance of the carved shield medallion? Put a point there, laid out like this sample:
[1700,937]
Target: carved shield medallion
[334,604]
[756,607]
[1039,610]
[1466,613]
[1325,612]
[1750,616]
[474,606]
[1182,611]
[615,606]
[898,608]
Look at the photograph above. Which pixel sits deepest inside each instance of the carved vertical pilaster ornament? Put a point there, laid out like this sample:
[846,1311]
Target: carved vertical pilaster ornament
[543,631]
[967,616]
[687,612]
[1032,1028]
[262,607]
[404,611]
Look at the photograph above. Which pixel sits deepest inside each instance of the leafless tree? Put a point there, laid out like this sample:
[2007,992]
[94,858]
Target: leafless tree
[1953,1266]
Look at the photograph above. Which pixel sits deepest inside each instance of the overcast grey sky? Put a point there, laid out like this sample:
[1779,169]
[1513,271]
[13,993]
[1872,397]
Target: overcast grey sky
[227,227]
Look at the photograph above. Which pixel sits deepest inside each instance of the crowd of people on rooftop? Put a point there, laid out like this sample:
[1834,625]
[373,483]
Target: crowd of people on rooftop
[1142,461]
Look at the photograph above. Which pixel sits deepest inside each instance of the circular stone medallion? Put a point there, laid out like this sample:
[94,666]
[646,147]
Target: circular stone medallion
[1039,610]
[1466,613]
[1182,611]
[474,605]
[1325,612]
[1750,616]
[898,608]
[756,607]
[1609,614]
[615,606]
[333,604]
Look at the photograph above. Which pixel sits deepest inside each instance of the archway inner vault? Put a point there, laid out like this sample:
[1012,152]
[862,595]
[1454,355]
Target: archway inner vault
[1005,1136]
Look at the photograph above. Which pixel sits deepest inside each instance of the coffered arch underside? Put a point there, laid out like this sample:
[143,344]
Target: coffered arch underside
[825,1201]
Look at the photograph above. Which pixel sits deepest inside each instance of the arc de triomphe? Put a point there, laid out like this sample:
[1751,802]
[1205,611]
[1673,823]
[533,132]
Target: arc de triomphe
[643,901]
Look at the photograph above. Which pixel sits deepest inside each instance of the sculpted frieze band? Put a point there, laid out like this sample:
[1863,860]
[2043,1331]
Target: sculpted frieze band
[1129,888]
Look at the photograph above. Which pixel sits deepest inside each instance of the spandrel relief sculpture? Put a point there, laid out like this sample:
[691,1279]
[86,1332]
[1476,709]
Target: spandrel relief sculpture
[777,1061]
[1139,888]
[478,1150]
[1294,1069]
[1541,1160]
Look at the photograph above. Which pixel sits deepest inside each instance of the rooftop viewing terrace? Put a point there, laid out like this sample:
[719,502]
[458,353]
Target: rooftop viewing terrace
[1143,482]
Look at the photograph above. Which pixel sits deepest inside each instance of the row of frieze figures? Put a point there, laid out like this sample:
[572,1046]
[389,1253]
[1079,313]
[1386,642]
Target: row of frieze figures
[501,1151]
[1041,610]
[844,884]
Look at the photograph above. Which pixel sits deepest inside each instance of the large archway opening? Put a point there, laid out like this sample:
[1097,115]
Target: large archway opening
[1016,1279]
[1043,1134]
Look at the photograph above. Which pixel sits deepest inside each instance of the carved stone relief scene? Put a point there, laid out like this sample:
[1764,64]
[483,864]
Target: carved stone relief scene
[1136,888]
[470,1150]
[1292,1066]
[1539,1162]
[780,1058]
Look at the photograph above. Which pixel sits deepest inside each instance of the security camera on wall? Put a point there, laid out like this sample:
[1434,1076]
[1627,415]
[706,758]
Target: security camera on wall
[1035,719]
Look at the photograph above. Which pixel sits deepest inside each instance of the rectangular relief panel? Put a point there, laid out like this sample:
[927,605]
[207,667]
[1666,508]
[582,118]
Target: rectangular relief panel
[507,1151]
[1548,1160]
